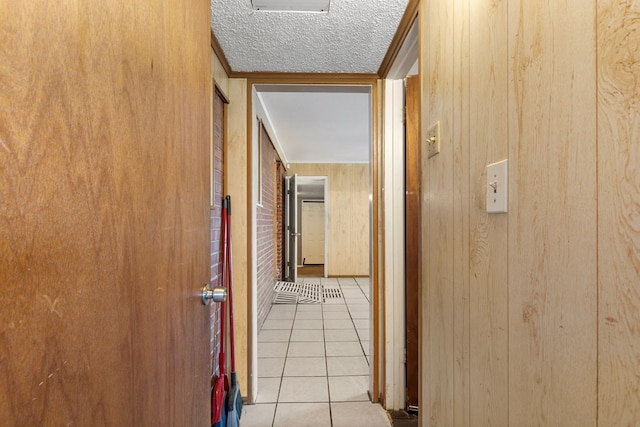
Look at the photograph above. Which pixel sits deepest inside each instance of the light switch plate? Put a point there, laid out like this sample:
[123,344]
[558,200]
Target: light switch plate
[433,140]
[497,187]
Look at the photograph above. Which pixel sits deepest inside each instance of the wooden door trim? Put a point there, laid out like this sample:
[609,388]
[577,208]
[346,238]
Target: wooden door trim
[407,21]
[412,240]
[217,50]
[372,81]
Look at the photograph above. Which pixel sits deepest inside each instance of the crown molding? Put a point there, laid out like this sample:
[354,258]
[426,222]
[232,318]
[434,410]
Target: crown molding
[308,78]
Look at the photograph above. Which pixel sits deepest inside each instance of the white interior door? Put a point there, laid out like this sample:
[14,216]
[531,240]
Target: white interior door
[313,232]
[291,218]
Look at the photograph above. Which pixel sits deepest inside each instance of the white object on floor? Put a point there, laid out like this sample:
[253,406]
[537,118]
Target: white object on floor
[303,293]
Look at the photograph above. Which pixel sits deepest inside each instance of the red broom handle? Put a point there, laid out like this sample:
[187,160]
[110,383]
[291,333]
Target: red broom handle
[223,276]
[230,290]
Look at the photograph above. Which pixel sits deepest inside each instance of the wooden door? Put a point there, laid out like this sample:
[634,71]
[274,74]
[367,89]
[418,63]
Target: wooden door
[104,198]
[279,220]
[412,235]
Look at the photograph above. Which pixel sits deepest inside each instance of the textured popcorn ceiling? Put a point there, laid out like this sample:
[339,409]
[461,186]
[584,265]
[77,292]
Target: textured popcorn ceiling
[352,37]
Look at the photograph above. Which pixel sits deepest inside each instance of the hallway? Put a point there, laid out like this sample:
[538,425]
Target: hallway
[314,362]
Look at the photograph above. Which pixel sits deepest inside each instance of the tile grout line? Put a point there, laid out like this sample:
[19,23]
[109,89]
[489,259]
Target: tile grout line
[326,366]
[286,355]
[355,328]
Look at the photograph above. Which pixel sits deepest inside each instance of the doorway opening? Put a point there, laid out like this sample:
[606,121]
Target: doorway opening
[348,253]
[311,203]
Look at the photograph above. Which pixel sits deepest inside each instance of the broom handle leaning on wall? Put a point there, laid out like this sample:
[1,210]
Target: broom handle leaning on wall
[230,282]
[223,279]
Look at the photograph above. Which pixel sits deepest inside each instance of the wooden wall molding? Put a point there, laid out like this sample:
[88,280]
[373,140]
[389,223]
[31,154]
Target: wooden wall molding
[376,169]
[308,78]
[409,17]
[217,49]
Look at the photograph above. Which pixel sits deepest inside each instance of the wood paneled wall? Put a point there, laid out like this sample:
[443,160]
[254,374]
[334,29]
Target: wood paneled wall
[618,172]
[219,75]
[530,317]
[348,206]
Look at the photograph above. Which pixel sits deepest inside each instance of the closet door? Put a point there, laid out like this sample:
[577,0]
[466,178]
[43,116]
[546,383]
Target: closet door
[104,204]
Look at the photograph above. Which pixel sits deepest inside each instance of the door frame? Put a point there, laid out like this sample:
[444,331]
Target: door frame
[394,244]
[376,266]
[305,227]
[394,143]
[325,200]
[291,237]
[326,226]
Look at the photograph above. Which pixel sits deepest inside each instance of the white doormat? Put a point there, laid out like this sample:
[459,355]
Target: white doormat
[331,293]
[303,293]
[286,292]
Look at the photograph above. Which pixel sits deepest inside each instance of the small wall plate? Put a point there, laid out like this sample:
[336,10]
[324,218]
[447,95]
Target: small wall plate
[433,140]
[497,187]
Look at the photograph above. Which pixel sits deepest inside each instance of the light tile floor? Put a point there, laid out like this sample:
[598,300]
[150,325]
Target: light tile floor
[313,363]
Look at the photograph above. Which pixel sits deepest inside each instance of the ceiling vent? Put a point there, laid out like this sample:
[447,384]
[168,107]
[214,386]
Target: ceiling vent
[291,5]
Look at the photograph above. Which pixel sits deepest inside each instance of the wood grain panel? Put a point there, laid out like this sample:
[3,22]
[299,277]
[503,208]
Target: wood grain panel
[461,214]
[437,217]
[236,186]
[47,267]
[348,206]
[552,210]
[219,76]
[489,237]
[221,59]
[426,396]
[412,238]
[104,214]
[618,208]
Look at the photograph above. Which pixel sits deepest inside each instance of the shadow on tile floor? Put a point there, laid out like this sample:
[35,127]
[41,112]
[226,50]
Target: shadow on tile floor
[403,419]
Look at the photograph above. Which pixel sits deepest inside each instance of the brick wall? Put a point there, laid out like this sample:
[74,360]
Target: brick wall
[266,226]
[215,218]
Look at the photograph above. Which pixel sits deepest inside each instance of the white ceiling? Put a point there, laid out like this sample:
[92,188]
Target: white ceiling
[321,124]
